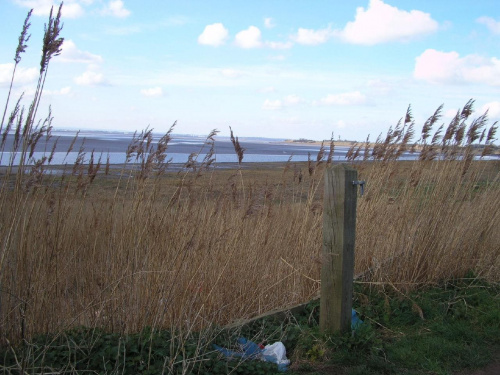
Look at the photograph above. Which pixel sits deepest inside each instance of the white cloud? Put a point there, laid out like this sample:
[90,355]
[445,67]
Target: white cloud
[347,98]
[312,37]
[231,73]
[116,8]
[152,92]
[23,75]
[65,90]
[272,104]
[252,38]
[269,23]
[91,78]
[70,9]
[249,38]
[491,24]
[213,35]
[378,23]
[381,23]
[62,92]
[72,54]
[448,67]
[293,100]
[288,101]
[493,109]
[40,7]
[436,66]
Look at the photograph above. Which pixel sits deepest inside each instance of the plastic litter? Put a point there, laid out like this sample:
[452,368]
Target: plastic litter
[275,353]
[249,350]
[355,320]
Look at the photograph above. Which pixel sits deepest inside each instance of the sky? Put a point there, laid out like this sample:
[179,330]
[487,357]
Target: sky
[277,68]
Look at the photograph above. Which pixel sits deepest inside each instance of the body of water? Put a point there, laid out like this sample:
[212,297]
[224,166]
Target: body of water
[180,147]
[114,145]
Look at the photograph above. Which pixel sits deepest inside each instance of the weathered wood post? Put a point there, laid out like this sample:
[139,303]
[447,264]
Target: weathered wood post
[339,225]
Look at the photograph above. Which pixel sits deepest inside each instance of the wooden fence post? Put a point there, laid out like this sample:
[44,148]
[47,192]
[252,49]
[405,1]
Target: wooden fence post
[337,271]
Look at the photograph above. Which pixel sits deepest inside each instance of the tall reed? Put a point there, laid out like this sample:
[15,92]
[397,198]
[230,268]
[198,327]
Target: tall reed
[434,218]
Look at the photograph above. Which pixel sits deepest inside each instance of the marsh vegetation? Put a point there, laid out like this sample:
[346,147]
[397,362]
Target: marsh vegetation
[195,249]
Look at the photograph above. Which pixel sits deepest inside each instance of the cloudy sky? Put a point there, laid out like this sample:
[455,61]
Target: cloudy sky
[280,68]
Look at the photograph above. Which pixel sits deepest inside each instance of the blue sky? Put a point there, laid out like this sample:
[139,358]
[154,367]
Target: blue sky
[280,68]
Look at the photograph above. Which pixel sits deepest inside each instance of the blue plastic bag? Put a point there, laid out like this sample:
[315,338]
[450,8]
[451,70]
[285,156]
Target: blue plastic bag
[355,321]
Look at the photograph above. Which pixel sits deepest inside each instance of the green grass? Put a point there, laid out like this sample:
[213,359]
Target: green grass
[436,330]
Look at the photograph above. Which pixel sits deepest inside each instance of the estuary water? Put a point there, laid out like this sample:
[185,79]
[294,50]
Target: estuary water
[114,145]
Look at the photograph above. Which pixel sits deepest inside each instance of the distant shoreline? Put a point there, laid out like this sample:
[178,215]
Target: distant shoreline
[318,143]
[305,142]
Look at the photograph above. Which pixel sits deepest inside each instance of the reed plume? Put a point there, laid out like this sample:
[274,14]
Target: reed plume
[21,48]
[237,147]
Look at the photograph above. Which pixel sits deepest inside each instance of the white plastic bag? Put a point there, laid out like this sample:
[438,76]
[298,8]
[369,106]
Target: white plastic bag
[275,353]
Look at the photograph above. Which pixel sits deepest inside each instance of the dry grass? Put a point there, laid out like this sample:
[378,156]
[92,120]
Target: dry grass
[430,223]
[137,257]
[192,250]
[434,218]
[202,247]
